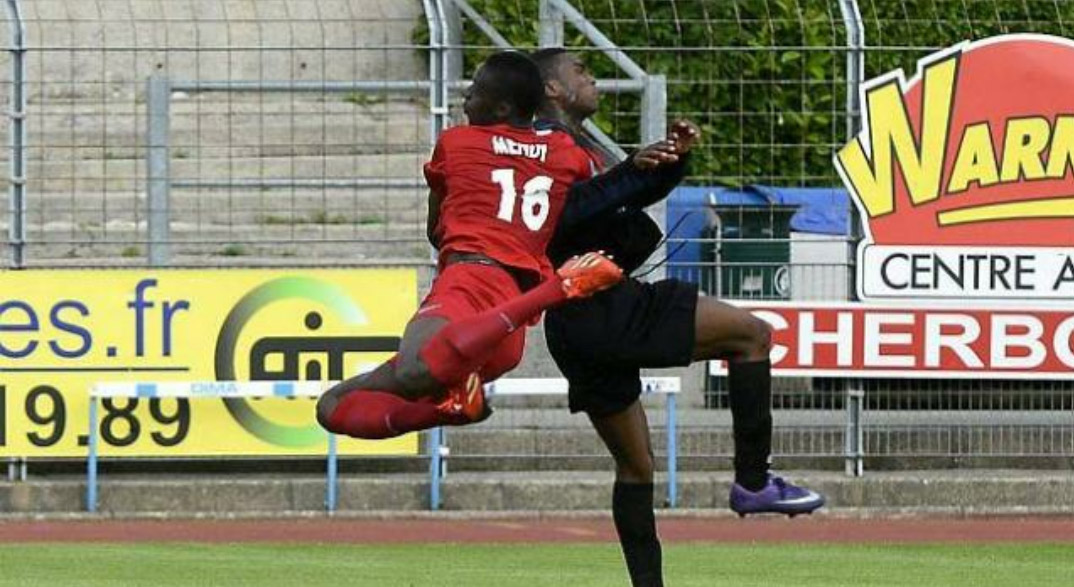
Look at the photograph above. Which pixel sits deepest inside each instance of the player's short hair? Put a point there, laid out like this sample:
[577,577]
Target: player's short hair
[514,79]
[547,59]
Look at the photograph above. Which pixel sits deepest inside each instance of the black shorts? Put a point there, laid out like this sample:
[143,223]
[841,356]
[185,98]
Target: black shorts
[602,343]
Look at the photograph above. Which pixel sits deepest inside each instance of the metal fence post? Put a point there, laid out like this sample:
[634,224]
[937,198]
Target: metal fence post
[654,127]
[853,442]
[437,110]
[17,178]
[435,448]
[551,26]
[672,449]
[453,41]
[654,109]
[91,460]
[855,63]
[158,99]
[855,76]
[331,494]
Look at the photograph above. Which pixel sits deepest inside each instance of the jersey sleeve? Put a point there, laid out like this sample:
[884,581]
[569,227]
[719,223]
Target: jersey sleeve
[435,173]
[622,185]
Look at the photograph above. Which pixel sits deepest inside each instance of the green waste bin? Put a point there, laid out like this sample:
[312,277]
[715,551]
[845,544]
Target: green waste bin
[751,252]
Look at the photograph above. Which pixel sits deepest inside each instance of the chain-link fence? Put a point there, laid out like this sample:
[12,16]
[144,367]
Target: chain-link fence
[273,153]
[293,132]
[773,84]
[1018,423]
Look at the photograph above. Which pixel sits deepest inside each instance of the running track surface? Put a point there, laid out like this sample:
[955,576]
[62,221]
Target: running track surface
[383,531]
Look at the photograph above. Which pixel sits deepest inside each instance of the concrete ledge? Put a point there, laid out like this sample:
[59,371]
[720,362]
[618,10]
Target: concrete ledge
[967,492]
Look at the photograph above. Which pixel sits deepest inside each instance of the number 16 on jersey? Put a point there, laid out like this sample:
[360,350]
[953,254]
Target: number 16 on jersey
[534,198]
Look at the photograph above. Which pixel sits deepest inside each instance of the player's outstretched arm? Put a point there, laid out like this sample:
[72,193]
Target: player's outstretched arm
[653,156]
[626,184]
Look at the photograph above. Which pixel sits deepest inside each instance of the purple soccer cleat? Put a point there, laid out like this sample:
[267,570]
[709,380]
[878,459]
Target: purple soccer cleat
[777,496]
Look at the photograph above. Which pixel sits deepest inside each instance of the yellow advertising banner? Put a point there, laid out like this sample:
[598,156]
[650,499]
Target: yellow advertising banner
[63,331]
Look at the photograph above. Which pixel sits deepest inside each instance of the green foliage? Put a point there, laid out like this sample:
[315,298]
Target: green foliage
[765,79]
[233,250]
[370,219]
[325,217]
[363,99]
[314,217]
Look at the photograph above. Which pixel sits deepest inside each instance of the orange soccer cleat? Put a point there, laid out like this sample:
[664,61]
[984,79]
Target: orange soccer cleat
[586,275]
[465,403]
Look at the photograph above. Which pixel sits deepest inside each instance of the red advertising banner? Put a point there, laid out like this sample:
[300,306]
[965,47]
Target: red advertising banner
[962,175]
[860,340]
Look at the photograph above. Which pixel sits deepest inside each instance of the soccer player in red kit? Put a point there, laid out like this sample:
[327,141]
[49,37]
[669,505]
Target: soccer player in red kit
[497,189]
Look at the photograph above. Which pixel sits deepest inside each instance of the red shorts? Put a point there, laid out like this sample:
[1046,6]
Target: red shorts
[467,289]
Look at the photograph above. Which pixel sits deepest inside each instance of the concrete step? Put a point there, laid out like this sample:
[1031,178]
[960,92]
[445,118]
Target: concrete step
[134,256]
[130,174]
[206,134]
[187,103]
[541,445]
[215,40]
[79,253]
[340,137]
[345,243]
[90,210]
[959,491]
[119,231]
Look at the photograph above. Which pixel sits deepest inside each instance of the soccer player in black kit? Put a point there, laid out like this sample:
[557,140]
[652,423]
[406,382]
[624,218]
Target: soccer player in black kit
[601,343]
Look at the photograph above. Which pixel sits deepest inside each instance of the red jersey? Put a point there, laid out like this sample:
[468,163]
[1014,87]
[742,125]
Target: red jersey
[502,190]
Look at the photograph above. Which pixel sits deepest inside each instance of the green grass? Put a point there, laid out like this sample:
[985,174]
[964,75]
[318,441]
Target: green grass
[571,565]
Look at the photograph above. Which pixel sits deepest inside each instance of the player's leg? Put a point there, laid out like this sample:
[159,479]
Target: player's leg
[443,350]
[364,406]
[626,434]
[379,404]
[723,331]
[490,343]
[597,344]
[463,346]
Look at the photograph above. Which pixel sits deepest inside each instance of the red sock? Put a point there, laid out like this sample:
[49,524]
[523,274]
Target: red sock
[463,346]
[376,414]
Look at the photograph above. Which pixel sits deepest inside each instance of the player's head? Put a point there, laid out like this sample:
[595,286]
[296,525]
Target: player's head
[568,83]
[507,88]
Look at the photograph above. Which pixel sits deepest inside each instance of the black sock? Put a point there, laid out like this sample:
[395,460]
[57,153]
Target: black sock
[632,509]
[750,388]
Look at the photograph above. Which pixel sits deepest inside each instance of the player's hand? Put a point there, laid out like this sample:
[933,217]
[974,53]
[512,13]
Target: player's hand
[684,134]
[656,154]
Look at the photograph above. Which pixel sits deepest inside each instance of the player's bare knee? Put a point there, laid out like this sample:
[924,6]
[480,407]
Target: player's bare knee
[326,405]
[406,373]
[636,470]
[760,340]
[413,377]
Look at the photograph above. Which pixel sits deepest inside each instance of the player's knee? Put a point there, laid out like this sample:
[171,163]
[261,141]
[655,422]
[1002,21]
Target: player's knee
[326,406]
[409,374]
[636,470]
[760,338]
[413,377]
